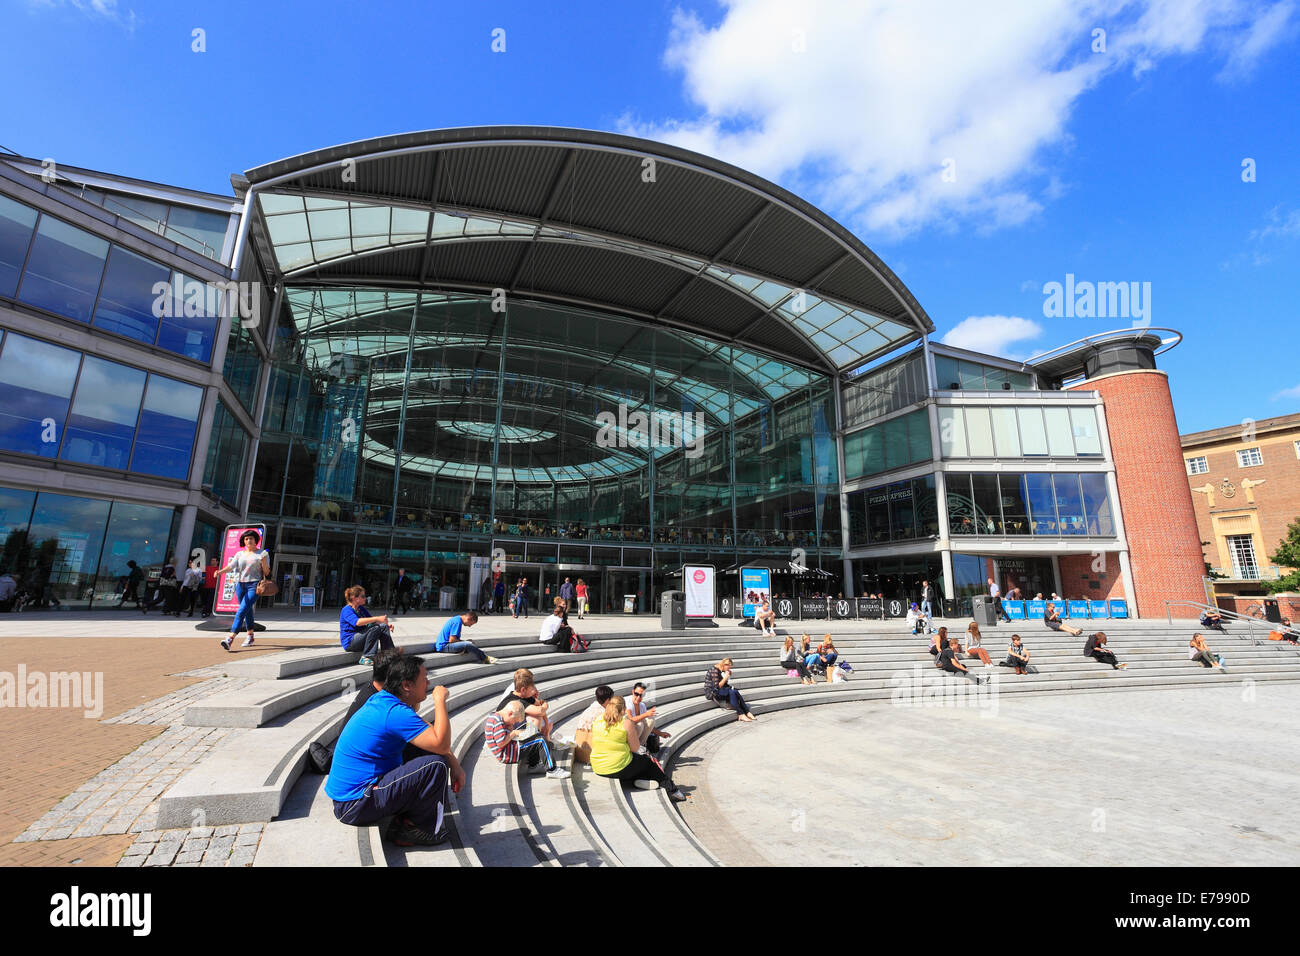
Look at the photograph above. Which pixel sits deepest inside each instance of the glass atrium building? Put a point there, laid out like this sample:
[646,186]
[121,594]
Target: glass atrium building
[584,354]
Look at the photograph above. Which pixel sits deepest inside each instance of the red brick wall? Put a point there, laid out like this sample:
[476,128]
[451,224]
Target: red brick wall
[1159,519]
[1077,574]
[1288,604]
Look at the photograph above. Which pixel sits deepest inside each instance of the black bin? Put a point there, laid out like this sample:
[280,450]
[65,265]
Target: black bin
[672,610]
[1272,613]
[983,611]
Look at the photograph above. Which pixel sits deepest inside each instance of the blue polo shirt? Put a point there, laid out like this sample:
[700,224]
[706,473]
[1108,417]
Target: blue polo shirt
[348,622]
[371,745]
[450,632]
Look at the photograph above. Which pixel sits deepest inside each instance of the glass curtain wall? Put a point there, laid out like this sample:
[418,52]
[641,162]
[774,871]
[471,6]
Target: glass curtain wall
[389,409]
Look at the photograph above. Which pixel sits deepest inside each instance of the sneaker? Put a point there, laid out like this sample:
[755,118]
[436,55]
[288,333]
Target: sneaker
[677,796]
[248,641]
[405,833]
[559,773]
[646,784]
[366,662]
[226,644]
[492,660]
[566,743]
[642,752]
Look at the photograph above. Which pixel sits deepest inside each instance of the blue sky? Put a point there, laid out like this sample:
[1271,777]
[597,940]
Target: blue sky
[981,150]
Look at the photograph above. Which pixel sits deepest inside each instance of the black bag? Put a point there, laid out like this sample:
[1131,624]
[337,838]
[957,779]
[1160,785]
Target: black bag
[319,758]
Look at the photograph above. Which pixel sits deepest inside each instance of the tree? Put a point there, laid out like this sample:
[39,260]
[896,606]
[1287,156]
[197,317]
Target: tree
[1287,555]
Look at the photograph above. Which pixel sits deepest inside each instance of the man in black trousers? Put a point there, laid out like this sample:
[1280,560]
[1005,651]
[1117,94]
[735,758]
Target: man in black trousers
[402,592]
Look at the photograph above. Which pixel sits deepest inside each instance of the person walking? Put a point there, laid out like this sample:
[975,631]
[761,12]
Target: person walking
[209,586]
[402,592]
[581,592]
[996,594]
[568,593]
[250,566]
[927,599]
[521,598]
[191,586]
[134,578]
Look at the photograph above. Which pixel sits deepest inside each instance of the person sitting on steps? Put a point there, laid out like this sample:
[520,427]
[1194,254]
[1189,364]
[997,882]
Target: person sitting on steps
[950,661]
[321,755]
[717,688]
[612,756]
[643,718]
[1018,655]
[368,780]
[508,741]
[361,631]
[1054,623]
[524,689]
[1097,650]
[1200,652]
[791,660]
[973,645]
[448,640]
[1213,619]
[582,735]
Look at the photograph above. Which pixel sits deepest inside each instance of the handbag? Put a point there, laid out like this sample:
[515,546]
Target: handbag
[267,588]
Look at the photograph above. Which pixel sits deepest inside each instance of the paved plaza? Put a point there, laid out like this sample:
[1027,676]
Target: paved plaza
[1164,777]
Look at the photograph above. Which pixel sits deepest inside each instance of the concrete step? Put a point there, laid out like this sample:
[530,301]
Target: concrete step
[300,837]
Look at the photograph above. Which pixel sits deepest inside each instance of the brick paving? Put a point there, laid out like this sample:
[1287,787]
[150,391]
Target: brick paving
[83,791]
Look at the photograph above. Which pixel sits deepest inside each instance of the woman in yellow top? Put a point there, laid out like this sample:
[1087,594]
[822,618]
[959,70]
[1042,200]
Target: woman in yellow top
[612,757]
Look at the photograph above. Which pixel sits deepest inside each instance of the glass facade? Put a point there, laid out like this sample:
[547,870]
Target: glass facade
[72,551]
[52,265]
[607,441]
[895,443]
[1019,431]
[55,402]
[1029,504]
[964,375]
[897,511]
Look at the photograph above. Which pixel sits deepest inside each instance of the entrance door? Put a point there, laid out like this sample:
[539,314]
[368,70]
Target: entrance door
[619,585]
[290,574]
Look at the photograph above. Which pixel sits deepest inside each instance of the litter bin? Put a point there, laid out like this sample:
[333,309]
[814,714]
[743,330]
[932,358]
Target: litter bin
[672,610]
[1272,613]
[983,611]
[446,599]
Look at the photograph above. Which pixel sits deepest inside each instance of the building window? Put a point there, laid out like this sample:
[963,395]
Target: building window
[1197,466]
[1297,449]
[1242,549]
[1249,458]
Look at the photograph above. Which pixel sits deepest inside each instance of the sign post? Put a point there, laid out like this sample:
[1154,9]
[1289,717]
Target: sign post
[307,598]
[698,581]
[225,601]
[755,585]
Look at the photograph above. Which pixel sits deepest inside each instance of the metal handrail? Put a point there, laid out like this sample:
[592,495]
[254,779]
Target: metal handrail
[1251,622]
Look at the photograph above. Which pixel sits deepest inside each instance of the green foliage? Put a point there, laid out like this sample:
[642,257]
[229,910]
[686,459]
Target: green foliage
[1287,555]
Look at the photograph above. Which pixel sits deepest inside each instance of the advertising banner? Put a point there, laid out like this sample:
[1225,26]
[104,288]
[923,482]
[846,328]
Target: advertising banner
[1035,610]
[842,609]
[1098,609]
[871,608]
[894,607]
[755,584]
[1015,609]
[812,608]
[224,601]
[1118,608]
[699,585]
[480,569]
[784,607]
[726,606]
[1078,608]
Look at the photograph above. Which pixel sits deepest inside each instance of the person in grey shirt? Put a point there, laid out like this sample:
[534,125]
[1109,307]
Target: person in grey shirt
[249,566]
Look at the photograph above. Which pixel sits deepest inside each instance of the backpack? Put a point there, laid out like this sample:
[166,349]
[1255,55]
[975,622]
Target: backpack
[578,644]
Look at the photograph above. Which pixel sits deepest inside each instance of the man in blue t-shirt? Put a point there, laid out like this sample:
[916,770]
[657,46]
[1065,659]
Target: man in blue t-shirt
[449,642]
[359,630]
[368,780]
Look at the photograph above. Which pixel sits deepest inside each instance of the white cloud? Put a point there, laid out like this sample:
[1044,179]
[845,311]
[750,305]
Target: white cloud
[1279,224]
[992,333]
[1271,26]
[1293,392]
[105,9]
[858,106]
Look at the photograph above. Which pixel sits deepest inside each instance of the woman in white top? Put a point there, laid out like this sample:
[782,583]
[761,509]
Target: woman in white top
[792,661]
[555,628]
[249,566]
[1200,652]
[973,648]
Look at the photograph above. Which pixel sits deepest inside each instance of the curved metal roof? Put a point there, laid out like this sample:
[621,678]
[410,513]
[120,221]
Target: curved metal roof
[586,218]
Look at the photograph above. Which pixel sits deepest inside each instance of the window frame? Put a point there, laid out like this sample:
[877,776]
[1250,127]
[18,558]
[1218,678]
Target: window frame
[1203,459]
[1242,454]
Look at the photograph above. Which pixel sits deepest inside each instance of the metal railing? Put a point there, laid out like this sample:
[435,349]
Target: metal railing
[1251,622]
